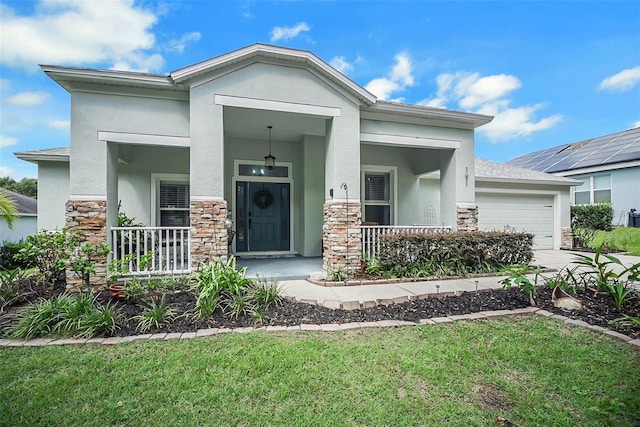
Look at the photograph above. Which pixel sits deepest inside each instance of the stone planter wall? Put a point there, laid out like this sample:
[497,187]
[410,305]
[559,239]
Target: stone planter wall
[566,238]
[467,218]
[341,236]
[90,217]
[209,234]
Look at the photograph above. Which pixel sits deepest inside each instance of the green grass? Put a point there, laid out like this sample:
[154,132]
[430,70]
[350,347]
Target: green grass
[623,238]
[533,371]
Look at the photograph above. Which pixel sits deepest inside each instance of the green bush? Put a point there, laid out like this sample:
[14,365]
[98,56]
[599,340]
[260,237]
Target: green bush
[447,254]
[8,252]
[593,217]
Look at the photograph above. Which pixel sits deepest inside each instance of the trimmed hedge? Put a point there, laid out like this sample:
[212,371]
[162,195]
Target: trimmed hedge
[454,253]
[593,217]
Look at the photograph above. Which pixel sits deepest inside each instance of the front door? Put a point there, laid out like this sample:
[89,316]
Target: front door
[262,216]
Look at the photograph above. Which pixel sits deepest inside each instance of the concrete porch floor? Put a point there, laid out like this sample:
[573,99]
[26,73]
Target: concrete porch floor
[286,268]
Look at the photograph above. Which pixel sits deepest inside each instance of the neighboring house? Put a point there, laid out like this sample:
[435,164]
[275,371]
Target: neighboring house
[189,151]
[608,168]
[26,224]
[513,198]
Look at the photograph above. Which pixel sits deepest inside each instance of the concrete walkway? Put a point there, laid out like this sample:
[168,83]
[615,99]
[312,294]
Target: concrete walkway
[363,296]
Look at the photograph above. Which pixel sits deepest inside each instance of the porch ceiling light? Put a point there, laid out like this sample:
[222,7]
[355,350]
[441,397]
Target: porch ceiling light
[269,161]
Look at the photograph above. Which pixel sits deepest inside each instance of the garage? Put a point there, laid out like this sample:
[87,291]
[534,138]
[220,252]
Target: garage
[531,213]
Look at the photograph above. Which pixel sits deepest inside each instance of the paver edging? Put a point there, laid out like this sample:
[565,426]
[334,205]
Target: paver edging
[324,328]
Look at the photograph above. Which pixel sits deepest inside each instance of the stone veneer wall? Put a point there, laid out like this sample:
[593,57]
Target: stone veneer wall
[341,236]
[90,217]
[209,233]
[467,218]
[566,238]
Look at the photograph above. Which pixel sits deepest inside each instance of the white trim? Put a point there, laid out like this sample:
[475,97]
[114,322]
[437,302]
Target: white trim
[393,187]
[269,105]
[86,197]
[595,169]
[144,139]
[557,206]
[408,141]
[250,178]
[206,199]
[155,191]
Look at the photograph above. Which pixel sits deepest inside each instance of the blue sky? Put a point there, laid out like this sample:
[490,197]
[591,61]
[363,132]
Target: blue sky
[551,72]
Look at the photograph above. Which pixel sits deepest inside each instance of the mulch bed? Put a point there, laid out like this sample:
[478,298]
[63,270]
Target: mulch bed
[598,310]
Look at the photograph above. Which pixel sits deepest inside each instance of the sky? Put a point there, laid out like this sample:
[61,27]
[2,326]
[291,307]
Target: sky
[550,72]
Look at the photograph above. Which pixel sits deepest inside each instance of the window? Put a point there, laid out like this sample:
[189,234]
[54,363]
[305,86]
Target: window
[594,189]
[174,204]
[378,197]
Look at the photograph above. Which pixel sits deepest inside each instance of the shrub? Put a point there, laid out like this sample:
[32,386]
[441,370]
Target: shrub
[49,252]
[155,315]
[66,315]
[594,217]
[14,287]
[8,252]
[454,253]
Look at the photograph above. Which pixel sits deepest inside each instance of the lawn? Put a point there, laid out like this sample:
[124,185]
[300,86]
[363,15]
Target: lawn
[623,238]
[530,370]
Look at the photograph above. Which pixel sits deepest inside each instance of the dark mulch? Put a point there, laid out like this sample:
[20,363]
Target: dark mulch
[598,310]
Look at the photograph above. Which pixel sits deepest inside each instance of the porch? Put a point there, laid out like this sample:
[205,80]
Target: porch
[167,251]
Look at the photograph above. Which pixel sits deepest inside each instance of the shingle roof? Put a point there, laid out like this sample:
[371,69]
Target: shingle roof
[48,154]
[604,150]
[487,170]
[24,205]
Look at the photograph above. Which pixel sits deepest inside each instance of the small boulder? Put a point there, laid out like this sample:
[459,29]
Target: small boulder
[561,299]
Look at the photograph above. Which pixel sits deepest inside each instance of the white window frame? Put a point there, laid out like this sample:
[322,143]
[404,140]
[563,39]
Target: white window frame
[592,189]
[156,179]
[393,189]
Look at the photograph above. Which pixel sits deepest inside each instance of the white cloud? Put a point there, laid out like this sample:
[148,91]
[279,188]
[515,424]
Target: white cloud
[28,99]
[179,44]
[635,125]
[400,77]
[623,81]
[489,95]
[5,171]
[60,124]
[78,32]
[341,64]
[5,84]
[7,141]
[287,33]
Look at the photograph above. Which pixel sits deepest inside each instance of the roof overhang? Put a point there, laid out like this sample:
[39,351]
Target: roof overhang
[437,116]
[42,156]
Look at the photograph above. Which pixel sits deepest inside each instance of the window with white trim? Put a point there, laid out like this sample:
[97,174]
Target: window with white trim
[594,189]
[377,200]
[173,203]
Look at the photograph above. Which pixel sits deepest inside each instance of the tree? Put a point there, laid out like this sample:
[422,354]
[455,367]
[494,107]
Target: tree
[8,211]
[26,186]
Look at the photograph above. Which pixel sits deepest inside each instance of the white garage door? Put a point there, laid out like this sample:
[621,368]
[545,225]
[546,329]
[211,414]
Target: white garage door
[533,214]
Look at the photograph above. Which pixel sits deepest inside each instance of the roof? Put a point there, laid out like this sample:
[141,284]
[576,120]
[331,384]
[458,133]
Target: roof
[617,148]
[24,205]
[488,171]
[50,154]
[176,84]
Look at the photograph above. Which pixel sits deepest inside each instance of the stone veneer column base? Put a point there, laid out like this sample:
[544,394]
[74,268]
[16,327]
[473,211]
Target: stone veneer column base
[90,217]
[341,236]
[566,238]
[467,217]
[209,234]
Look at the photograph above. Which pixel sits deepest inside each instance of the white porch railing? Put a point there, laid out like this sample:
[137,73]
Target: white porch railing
[154,250]
[371,235]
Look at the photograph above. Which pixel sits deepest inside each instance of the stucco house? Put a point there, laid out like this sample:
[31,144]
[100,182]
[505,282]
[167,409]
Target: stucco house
[261,151]
[608,168]
[26,223]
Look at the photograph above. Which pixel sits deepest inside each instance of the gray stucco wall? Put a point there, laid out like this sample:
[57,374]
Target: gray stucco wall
[24,226]
[53,193]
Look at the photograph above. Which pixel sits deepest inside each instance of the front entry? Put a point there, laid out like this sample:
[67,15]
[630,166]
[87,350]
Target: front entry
[263,216]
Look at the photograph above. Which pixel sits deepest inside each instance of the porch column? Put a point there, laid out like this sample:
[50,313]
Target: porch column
[208,213]
[92,183]
[342,213]
[457,188]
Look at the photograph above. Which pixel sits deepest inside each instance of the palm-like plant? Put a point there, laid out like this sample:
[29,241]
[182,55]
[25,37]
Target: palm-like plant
[8,211]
